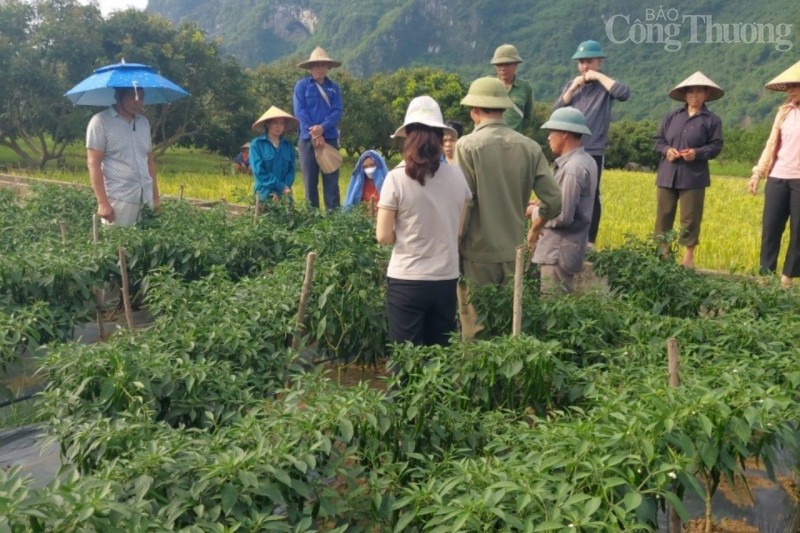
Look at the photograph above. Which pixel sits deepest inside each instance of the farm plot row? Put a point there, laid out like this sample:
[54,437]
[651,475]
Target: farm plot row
[47,279]
[209,420]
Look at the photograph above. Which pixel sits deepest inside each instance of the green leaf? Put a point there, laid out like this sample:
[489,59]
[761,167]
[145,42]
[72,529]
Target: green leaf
[632,501]
[706,424]
[709,454]
[403,521]
[346,429]
[229,496]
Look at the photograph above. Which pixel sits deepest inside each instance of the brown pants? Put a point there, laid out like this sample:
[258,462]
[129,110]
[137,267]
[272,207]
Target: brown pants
[691,203]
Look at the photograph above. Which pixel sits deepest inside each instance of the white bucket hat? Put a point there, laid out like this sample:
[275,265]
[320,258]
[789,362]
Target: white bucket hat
[424,110]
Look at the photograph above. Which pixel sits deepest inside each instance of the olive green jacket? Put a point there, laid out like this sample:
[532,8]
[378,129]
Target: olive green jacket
[521,93]
[502,167]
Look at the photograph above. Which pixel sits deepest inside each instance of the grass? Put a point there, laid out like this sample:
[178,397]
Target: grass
[729,239]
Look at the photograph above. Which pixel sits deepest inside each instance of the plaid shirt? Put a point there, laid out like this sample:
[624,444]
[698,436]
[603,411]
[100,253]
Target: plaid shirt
[125,146]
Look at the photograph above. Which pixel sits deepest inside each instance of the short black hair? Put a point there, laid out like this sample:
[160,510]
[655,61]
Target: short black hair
[120,92]
[456,125]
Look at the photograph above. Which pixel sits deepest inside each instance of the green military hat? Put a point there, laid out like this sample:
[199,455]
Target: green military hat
[567,119]
[506,53]
[487,93]
[589,50]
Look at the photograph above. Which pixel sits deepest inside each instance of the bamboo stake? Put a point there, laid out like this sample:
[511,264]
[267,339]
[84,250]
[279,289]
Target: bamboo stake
[63,226]
[95,230]
[673,353]
[180,195]
[306,292]
[126,295]
[673,356]
[98,293]
[255,212]
[519,272]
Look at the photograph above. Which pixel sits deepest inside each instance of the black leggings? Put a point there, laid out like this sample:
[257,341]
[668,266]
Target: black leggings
[781,203]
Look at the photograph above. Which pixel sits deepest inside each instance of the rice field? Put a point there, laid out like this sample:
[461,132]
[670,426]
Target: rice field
[729,239]
[731,230]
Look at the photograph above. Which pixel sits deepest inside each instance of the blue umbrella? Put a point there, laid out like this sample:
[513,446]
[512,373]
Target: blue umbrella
[98,89]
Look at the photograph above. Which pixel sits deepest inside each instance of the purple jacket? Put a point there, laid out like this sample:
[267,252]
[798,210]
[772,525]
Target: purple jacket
[678,130]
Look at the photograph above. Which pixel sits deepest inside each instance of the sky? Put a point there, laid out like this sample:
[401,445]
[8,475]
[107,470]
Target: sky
[107,6]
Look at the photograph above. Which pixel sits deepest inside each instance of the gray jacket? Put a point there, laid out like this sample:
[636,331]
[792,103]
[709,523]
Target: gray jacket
[564,238]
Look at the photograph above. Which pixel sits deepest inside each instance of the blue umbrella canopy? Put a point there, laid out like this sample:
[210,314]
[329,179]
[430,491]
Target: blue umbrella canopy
[98,89]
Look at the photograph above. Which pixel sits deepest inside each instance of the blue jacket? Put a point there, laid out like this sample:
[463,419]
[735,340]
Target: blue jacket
[311,109]
[273,168]
[356,187]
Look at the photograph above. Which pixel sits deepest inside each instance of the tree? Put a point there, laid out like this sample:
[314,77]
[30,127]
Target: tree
[367,122]
[220,101]
[394,91]
[44,48]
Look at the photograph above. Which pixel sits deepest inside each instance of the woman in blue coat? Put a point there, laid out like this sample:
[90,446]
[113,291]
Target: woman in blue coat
[272,156]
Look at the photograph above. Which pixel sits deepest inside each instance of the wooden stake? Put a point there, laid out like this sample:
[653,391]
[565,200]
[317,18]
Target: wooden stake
[180,194]
[126,295]
[306,292]
[99,294]
[519,272]
[255,211]
[95,230]
[63,226]
[674,361]
[673,353]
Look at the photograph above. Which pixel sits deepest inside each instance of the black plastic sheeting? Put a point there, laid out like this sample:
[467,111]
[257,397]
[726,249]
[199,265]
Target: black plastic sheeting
[22,447]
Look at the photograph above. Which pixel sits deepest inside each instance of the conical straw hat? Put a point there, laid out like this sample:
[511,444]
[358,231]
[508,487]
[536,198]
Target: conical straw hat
[319,55]
[698,79]
[790,75]
[274,112]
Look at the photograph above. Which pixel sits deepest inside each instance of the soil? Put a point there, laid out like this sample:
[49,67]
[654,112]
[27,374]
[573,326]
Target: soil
[723,526]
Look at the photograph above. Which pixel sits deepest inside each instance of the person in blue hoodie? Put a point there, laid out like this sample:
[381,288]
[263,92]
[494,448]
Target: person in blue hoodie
[367,179]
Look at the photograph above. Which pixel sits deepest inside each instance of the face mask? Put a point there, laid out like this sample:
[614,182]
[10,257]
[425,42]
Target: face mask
[369,171]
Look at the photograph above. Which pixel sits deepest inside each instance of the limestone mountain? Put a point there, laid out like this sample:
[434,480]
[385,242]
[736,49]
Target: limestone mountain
[740,44]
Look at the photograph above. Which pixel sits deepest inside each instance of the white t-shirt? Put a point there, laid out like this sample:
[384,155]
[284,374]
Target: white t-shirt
[426,224]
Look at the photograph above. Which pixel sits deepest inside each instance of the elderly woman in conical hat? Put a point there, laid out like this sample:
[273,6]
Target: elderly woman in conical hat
[317,102]
[272,156]
[420,212]
[780,165]
[687,139]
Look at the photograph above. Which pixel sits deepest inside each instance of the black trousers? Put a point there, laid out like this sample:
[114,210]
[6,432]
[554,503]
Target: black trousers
[423,312]
[594,226]
[781,203]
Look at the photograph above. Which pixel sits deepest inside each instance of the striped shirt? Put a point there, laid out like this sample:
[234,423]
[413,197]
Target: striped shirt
[125,147]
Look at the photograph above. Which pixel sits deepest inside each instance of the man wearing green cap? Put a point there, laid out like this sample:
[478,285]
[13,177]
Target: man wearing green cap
[592,93]
[505,61]
[502,167]
[561,248]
